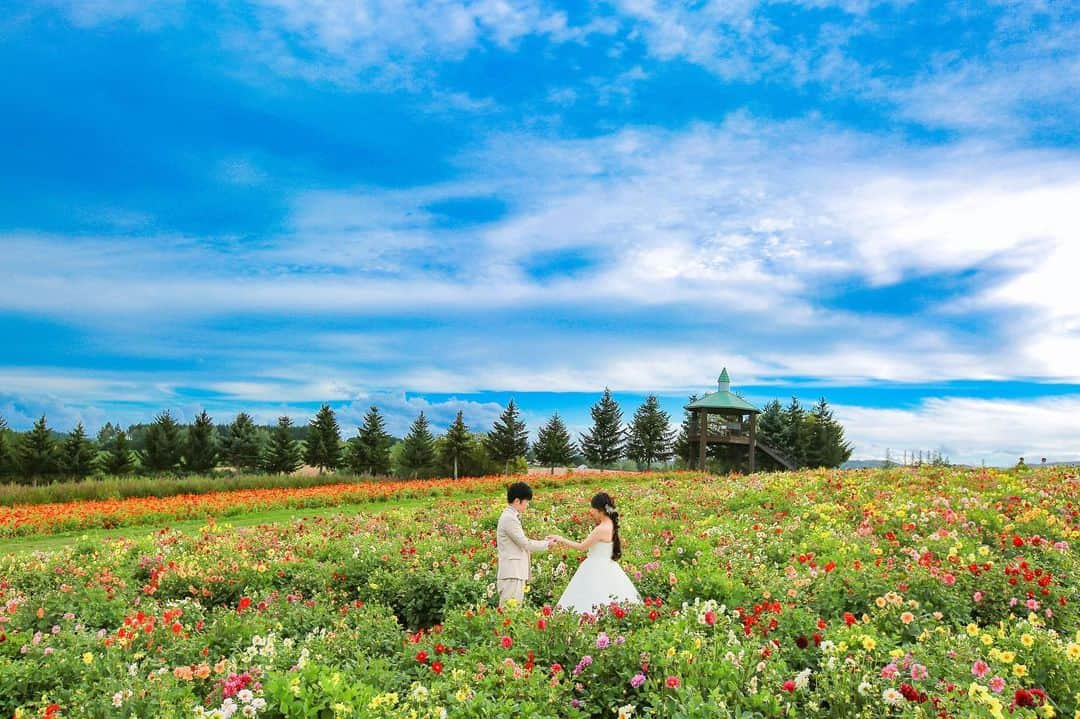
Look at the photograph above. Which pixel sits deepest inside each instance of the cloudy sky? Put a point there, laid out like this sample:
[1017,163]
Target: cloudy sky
[440,205]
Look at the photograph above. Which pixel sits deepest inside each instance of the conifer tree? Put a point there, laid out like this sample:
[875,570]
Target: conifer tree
[283,454]
[164,446]
[826,444]
[650,437]
[37,452]
[77,453]
[795,438]
[603,444]
[241,446]
[553,447]
[369,452]
[508,439]
[200,450]
[770,425]
[7,456]
[418,450]
[454,448]
[324,441]
[682,447]
[117,458]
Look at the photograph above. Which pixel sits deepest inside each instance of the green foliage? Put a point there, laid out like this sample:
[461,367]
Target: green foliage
[682,447]
[827,447]
[7,455]
[37,452]
[508,438]
[283,454]
[77,453]
[164,445]
[770,425]
[796,440]
[553,447]
[369,452]
[650,437]
[200,450]
[117,458]
[603,444]
[454,447]
[323,445]
[242,444]
[417,458]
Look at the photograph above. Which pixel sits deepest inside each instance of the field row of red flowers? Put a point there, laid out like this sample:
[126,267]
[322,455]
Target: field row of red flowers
[36,519]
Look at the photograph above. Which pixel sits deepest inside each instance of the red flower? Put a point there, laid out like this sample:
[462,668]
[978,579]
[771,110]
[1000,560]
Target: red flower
[437,667]
[1017,542]
[653,615]
[421,656]
[441,649]
[541,624]
[556,668]
[710,618]
[672,682]
[788,686]
[177,628]
[1024,698]
[52,710]
[849,618]
[245,602]
[507,642]
[830,566]
[802,642]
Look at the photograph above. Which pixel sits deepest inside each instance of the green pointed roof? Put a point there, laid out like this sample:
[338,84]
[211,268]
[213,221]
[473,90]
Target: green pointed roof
[723,398]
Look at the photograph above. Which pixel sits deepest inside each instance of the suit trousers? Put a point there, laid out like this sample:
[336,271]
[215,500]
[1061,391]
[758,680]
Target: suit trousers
[511,589]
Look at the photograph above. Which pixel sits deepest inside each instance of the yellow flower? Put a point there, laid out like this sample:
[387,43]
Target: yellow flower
[880,602]
[1047,710]
[868,643]
[972,629]
[995,708]
[697,642]
[896,653]
[986,639]
[670,652]
[464,694]
[88,658]
[1020,670]
[1072,651]
[1027,640]
[842,647]
[1008,657]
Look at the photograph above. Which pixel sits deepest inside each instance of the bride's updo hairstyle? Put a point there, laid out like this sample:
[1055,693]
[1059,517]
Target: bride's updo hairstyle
[603,502]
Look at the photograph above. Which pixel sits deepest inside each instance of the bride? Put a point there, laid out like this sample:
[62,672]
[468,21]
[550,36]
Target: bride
[599,579]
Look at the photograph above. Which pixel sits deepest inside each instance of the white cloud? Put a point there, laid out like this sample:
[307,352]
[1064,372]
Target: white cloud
[970,431]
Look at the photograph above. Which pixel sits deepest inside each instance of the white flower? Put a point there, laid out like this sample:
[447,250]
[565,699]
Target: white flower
[891,696]
[248,711]
[258,703]
[245,696]
[864,688]
[802,679]
[118,699]
[626,711]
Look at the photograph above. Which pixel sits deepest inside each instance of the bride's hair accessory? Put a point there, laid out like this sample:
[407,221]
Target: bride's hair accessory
[608,509]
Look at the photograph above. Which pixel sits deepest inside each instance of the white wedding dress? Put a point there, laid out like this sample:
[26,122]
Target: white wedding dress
[598,580]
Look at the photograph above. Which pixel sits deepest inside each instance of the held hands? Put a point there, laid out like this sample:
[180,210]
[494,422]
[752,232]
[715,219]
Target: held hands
[552,540]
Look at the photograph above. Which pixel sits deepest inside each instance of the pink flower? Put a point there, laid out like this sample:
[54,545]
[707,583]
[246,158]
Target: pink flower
[997,684]
[637,680]
[602,640]
[889,671]
[918,671]
[1032,604]
[950,580]
[977,596]
[979,668]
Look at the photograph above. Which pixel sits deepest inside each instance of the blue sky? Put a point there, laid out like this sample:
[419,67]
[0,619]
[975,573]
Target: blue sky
[440,205]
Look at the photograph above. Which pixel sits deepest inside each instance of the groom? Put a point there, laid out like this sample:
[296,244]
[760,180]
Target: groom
[514,547]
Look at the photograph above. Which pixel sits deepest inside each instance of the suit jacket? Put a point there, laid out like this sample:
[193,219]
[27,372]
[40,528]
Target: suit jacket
[514,547]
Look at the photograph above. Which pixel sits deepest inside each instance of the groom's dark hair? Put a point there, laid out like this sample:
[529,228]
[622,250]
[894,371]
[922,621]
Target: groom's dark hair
[518,490]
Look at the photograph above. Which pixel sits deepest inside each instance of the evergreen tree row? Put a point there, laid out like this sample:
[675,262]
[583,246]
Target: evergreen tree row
[807,438]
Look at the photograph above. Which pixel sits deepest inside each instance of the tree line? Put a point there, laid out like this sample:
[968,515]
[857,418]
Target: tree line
[165,446]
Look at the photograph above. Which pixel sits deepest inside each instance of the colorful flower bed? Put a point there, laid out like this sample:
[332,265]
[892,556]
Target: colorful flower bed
[920,593]
[37,519]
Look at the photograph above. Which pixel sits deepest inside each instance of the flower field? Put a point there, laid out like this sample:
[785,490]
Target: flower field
[882,593]
[47,518]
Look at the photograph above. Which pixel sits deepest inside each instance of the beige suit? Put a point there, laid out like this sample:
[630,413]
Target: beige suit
[514,549]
